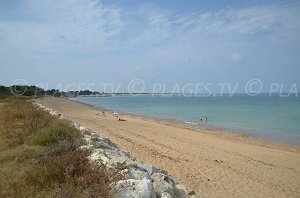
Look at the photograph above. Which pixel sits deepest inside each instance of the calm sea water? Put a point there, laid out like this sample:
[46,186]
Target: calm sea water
[276,118]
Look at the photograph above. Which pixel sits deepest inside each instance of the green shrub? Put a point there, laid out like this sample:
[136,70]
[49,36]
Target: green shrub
[56,132]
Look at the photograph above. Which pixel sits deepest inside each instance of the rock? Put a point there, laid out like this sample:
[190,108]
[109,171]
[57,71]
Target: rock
[88,140]
[104,145]
[98,156]
[87,148]
[162,183]
[47,109]
[53,113]
[165,195]
[82,128]
[75,125]
[104,141]
[118,160]
[111,153]
[40,106]
[127,154]
[196,195]
[138,174]
[149,168]
[134,188]
[190,192]
[112,158]
[121,162]
[125,174]
[180,191]
[94,136]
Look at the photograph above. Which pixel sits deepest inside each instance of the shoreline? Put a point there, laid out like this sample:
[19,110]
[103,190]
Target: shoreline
[208,161]
[228,133]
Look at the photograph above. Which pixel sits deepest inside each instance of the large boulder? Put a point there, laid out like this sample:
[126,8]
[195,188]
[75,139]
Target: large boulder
[121,162]
[86,148]
[166,195]
[134,188]
[98,155]
[137,174]
[149,168]
[100,141]
[180,191]
[103,145]
[54,113]
[111,153]
[82,128]
[88,140]
[76,125]
[163,183]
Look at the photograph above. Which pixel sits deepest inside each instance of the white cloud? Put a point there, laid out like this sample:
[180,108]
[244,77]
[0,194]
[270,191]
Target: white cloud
[89,25]
[275,20]
[81,23]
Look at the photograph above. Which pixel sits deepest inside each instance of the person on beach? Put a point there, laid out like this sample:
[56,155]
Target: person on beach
[103,114]
[206,119]
[115,114]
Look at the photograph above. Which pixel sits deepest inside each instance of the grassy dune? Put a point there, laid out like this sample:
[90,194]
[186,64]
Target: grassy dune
[39,156]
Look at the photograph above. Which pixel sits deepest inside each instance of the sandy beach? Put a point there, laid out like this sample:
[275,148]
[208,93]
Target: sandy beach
[206,160]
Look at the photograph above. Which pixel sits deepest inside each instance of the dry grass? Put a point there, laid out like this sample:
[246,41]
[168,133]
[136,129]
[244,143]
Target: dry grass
[39,157]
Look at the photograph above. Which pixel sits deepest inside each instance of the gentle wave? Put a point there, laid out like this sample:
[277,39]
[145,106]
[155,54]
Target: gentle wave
[193,123]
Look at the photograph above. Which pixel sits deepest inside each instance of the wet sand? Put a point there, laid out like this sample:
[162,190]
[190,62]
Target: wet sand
[206,160]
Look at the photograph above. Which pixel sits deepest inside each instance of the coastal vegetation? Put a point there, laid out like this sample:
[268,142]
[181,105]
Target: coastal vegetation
[26,90]
[39,156]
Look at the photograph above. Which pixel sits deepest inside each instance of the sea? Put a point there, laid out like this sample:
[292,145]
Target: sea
[272,117]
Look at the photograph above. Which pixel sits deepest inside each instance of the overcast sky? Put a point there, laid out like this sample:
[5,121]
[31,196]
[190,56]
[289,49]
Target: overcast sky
[57,42]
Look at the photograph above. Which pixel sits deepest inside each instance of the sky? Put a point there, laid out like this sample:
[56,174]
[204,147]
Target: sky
[92,43]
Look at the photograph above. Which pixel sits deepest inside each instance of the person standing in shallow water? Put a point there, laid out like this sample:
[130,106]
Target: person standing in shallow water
[205,117]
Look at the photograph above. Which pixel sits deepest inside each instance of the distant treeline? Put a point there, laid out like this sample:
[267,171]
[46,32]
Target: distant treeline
[25,90]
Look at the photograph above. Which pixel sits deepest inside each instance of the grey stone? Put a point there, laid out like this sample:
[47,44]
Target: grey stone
[111,153]
[98,155]
[125,174]
[101,141]
[180,191]
[103,145]
[82,128]
[138,174]
[88,140]
[149,168]
[94,136]
[53,113]
[87,148]
[134,189]
[121,162]
[162,183]
[165,195]
[75,125]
